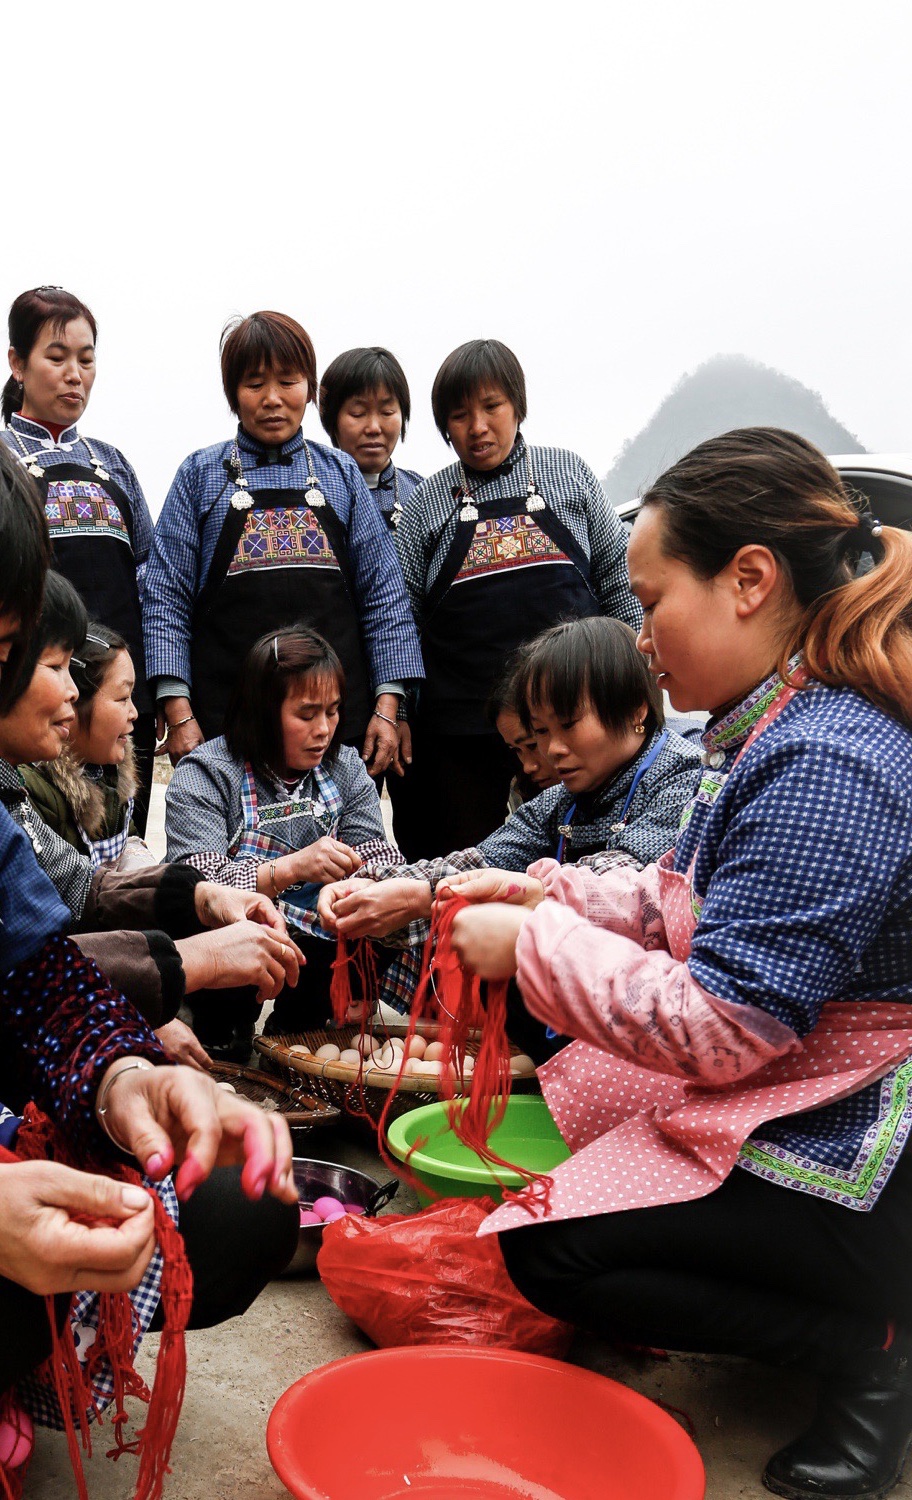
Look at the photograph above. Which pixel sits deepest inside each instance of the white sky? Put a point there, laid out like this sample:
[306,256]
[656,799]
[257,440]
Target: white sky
[617,191]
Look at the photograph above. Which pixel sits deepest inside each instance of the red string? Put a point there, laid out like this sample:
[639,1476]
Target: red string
[38,1140]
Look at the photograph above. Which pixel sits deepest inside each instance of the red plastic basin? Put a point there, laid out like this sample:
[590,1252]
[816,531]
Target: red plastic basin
[475,1424]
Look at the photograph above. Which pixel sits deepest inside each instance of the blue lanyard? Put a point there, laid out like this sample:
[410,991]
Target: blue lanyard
[640,772]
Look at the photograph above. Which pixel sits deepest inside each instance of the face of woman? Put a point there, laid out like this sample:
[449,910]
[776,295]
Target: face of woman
[310,715]
[369,426]
[59,373]
[709,641]
[582,751]
[483,429]
[271,405]
[533,763]
[104,741]
[38,726]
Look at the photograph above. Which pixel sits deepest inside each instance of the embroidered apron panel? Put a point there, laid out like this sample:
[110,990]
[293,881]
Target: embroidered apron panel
[74,506]
[507,542]
[289,537]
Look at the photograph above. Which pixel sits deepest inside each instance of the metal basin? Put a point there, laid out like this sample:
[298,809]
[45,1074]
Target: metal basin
[313,1179]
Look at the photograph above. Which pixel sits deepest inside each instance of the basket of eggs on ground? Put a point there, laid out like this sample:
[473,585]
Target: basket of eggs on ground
[355,1071]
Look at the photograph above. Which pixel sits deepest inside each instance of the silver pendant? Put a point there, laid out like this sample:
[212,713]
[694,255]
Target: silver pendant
[395,516]
[565,831]
[101,473]
[314,496]
[618,827]
[36,470]
[534,501]
[241,500]
[713,758]
[469,511]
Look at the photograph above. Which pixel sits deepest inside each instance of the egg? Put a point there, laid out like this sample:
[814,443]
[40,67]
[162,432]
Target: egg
[351,1057]
[329,1052]
[384,1057]
[332,1214]
[397,1043]
[434,1052]
[416,1046]
[228,1087]
[430,1069]
[521,1064]
[412,1065]
[16,1440]
[326,1205]
[367,1043]
[353,1208]
[299,1051]
[307,1217]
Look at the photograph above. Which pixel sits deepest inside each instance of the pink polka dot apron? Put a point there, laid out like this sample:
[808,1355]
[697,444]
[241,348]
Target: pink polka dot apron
[641,1138]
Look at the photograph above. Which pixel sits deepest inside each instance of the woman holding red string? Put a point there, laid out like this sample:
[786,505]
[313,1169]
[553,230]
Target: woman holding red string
[745,1002]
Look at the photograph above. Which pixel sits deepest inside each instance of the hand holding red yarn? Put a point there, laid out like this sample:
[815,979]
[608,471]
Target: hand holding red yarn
[484,938]
[492,885]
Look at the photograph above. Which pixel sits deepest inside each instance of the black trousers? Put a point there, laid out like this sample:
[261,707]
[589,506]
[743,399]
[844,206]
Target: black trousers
[144,754]
[234,1248]
[753,1269]
[453,795]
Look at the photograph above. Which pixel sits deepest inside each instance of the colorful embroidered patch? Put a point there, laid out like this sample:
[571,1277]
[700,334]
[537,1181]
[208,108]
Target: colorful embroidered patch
[286,537]
[507,542]
[76,506]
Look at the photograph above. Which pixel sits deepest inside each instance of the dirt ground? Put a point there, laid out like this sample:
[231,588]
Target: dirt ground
[739,1413]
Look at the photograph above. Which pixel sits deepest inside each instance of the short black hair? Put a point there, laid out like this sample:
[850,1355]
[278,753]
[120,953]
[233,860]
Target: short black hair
[355,373]
[25,551]
[506,696]
[594,661]
[253,721]
[63,622]
[90,663]
[478,363]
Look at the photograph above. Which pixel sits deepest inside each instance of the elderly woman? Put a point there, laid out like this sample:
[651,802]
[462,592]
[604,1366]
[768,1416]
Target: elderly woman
[266,529]
[278,805]
[495,548]
[97,513]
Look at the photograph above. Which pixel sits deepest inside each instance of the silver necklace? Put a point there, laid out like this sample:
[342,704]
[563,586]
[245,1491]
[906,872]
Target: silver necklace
[242,499]
[469,511]
[30,462]
[396,512]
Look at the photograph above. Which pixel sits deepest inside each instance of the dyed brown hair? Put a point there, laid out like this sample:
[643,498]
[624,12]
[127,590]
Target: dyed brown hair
[759,486]
[265,341]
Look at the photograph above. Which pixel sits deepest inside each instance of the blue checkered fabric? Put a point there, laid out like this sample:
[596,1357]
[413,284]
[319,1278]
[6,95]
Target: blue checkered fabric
[803,880]
[391,485]
[189,526]
[428,526]
[70,448]
[107,851]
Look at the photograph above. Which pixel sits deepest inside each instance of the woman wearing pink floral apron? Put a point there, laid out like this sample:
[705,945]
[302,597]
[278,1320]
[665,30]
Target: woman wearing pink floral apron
[738,1096]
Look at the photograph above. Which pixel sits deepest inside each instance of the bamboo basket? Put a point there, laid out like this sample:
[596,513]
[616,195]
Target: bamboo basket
[337,1083]
[301,1110]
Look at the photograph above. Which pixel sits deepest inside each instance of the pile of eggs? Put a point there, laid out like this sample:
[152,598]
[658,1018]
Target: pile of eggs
[411,1057]
[326,1210]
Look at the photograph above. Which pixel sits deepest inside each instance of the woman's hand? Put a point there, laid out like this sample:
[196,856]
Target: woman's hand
[169,1117]
[327,859]
[372,908]
[404,752]
[181,1046]
[493,885]
[42,1249]
[484,938]
[218,905]
[178,730]
[381,742]
[243,954]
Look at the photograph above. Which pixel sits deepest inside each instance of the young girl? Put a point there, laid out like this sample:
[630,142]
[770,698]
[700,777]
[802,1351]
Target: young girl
[86,794]
[505,710]
[746,1002]
[277,805]
[597,718]
[261,530]
[365,407]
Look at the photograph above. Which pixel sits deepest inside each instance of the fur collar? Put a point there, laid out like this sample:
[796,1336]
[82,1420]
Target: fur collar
[84,797]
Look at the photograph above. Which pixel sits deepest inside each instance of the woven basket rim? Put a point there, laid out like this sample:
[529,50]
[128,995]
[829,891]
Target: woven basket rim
[278,1048]
[295,1108]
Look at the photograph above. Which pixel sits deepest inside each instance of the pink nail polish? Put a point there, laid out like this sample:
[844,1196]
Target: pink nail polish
[155,1166]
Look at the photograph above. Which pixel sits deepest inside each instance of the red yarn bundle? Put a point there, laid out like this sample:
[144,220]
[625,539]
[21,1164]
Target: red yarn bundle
[456,999]
[38,1140]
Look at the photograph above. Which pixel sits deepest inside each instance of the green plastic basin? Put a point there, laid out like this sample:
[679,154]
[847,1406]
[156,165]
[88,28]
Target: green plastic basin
[527,1135]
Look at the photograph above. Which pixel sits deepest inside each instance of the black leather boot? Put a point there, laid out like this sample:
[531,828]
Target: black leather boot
[857,1443]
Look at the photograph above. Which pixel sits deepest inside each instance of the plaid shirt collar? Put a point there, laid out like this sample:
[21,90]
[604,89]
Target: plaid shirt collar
[12,788]
[40,434]
[261,452]
[731,729]
[515,456]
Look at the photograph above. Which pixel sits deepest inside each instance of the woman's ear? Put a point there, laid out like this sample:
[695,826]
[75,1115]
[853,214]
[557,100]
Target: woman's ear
[753,575]
[15,364]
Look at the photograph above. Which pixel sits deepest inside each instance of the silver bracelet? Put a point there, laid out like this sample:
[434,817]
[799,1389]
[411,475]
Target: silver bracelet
[385,717]
[190,719]
[101,1109]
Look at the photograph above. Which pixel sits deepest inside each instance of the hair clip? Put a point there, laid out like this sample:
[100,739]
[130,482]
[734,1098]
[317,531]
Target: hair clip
[275,649]
[97,641]
[76,662]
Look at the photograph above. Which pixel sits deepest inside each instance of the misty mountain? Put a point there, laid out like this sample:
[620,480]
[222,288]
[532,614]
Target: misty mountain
[727,391]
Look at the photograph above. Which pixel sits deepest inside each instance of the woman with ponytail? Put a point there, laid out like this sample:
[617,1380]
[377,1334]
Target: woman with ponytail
[745,1003]
[98,518]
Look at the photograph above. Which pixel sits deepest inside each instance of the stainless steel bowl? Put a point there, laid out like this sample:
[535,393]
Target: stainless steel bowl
[313,1179]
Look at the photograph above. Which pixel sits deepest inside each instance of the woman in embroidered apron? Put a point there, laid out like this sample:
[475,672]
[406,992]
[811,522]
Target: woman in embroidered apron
[97,513]
[265,531]
[746,1002]
[277,805]
[494,548]
[625,779]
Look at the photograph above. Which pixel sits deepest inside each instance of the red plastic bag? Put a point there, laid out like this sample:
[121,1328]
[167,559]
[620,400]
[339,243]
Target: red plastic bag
[426,1279]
